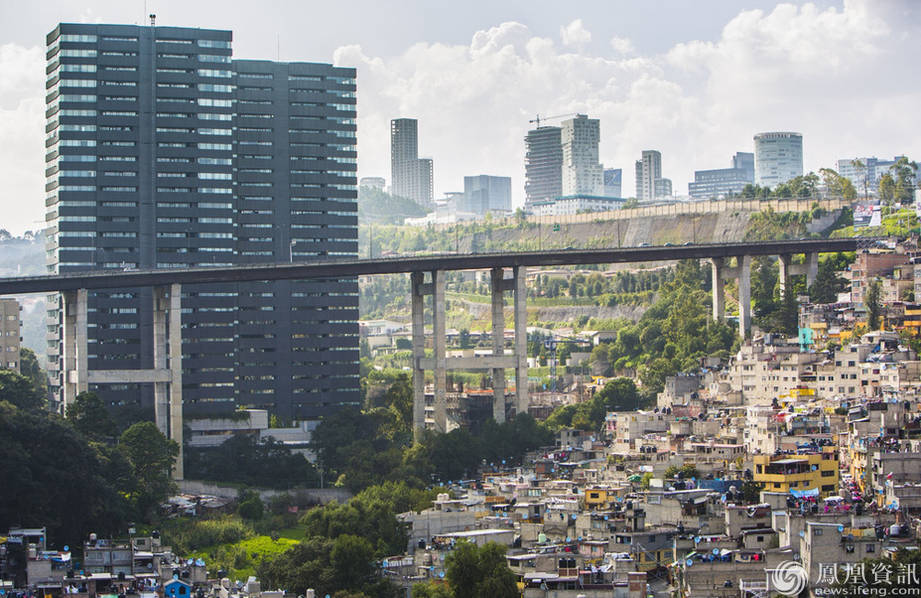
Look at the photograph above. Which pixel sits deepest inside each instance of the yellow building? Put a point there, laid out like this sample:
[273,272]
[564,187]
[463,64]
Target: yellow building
[783,473]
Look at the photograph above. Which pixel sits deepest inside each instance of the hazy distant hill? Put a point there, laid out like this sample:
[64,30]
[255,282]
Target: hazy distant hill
[22,256]
[382,208]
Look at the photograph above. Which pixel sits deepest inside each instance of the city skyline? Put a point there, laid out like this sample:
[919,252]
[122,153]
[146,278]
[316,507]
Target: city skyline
[698,92]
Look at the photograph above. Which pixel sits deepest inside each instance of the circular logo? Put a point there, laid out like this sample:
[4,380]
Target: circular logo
[789,578]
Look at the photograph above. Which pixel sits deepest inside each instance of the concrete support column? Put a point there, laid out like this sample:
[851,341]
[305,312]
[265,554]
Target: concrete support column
[520,275]
[161,404]
[175,366]
[719,298]
[812,268]
[498,343]
[82,342]
[438,342]
[68,351]
[418,320]
[745,295]
[784,273]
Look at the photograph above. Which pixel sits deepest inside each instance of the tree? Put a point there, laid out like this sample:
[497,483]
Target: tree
[619,394]
[52,477]
[903,175]
[473,572]
[89,416]
[250,505]
[827,283]
[404,344]
[352,559]
[872,302]
[30,368]
[152,456]
[887,188]
[431,589]
[19,390]
[838,185]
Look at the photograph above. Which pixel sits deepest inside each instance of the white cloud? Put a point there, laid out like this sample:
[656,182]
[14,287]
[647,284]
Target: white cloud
[575,34]
[845,77]
[22,150]
[622,45]
[828,73]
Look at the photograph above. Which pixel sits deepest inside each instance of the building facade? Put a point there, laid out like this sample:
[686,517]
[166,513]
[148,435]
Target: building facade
[650,184]
[543,164]
[410,176]
[582,173]
[613,182]
[778,157]
[10,334]
[484,194]
[723,182]
[373,182]
[164,152]
[865,173]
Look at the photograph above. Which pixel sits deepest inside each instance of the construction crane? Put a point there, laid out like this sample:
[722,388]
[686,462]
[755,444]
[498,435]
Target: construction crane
[538,119]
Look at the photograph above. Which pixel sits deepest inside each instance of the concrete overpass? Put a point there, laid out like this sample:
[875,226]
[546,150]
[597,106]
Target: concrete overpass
[167,283]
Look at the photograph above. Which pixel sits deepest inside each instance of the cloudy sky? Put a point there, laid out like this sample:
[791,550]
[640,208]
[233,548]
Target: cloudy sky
[694,80]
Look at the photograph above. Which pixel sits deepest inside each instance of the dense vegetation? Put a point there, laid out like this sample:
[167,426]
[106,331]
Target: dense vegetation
[249,461]
[71,477]
[673,334]
[377,206]
[360,448]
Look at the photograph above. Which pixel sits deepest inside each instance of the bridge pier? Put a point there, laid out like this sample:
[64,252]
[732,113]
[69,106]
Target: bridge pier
[741,272]
[497,363]
[77,376]
[787,269]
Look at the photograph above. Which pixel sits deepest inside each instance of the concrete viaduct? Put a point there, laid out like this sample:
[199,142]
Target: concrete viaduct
[167,284]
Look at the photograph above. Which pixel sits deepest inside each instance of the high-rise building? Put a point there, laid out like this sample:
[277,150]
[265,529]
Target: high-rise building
[613,182]
[649,182]
[582,173]
[865,175]
[164,152]
[410,176]
[543,164]
[484,194]
[10,334]
[778,157]
[722,182]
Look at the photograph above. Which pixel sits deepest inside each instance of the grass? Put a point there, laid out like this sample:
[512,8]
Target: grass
[240,558]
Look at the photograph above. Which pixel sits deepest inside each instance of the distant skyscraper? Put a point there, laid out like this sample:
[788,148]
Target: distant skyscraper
[410,177]
[582,173]
[484,193]
[721,182]
[778,157]
[866,177]
[649,182]
[164,152]
[543,164]
[373,182]
[613,182]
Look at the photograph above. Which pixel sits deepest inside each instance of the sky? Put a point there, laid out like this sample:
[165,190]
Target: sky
[694,80]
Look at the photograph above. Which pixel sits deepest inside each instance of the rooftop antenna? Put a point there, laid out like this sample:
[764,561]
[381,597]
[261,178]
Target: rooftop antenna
[153,19]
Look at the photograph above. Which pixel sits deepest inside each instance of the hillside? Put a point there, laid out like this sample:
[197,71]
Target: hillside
[377,207]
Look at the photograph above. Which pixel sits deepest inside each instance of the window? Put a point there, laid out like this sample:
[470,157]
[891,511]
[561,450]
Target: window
[213,87]
[213,43]
[214,73]
[213,58]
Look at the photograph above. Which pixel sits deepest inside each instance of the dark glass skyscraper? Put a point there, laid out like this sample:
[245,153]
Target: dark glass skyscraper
[162,151]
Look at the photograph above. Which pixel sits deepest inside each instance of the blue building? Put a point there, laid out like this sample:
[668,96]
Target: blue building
[613,182]
[484,193]
[721,182]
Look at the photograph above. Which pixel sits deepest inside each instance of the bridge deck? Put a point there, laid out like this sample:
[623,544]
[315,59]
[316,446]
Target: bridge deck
[355,267]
